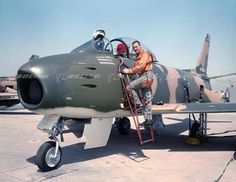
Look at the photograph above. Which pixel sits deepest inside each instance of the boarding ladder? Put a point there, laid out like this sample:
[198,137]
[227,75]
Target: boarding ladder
[129,98]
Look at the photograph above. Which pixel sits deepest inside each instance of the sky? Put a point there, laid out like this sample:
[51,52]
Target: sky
[173,29]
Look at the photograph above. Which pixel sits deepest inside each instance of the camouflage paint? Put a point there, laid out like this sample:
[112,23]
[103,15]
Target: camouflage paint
[88,78]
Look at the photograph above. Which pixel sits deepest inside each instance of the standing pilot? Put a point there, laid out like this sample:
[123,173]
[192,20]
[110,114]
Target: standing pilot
[142,67]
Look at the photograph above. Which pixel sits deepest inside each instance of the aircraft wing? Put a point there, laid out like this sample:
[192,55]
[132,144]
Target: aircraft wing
[194,108]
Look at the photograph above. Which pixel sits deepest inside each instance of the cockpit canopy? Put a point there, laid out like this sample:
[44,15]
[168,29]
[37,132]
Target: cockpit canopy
[104,45]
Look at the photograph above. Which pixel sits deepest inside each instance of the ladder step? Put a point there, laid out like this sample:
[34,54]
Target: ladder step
[141,127]
[126,99]
[146,141]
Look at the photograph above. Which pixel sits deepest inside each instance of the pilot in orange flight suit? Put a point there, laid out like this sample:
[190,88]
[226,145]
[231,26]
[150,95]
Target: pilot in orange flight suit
[143,67]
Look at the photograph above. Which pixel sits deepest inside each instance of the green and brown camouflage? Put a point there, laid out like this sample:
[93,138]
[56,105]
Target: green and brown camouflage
[86,81]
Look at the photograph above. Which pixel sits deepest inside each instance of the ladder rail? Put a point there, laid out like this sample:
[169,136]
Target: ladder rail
[134,112]
[137,124]
[134,115]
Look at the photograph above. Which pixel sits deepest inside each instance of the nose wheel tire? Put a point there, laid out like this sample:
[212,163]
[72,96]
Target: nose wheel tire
[46,159]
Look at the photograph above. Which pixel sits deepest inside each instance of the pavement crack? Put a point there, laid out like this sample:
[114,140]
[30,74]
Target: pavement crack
[227,165]
[15,177]
[14,169]
[56,175]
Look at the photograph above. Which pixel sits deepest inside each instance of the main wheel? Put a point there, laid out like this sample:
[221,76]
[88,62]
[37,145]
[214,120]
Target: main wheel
[195,131]
[45,159]
[124,126]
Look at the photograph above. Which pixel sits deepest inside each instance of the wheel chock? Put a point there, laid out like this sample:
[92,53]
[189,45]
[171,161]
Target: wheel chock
[192,141]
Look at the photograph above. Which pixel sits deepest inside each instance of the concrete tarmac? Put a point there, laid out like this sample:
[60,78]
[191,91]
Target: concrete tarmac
[167,159]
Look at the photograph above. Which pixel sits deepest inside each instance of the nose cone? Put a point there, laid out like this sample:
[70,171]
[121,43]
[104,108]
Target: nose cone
[43,83]
[29,86]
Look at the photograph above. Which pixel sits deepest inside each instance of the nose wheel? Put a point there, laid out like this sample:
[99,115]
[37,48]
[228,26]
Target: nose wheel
[48,156]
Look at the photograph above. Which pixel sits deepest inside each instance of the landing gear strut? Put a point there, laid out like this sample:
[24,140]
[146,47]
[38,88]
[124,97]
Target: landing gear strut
[49,154]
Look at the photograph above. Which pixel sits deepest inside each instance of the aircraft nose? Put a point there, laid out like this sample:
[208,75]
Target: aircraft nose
[29,86]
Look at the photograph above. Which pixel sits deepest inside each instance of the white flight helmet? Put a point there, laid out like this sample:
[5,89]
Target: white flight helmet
[99,34]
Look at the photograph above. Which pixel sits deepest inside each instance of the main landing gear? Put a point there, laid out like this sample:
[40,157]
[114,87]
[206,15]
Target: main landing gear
[49,154]
[123,125]
[197,130]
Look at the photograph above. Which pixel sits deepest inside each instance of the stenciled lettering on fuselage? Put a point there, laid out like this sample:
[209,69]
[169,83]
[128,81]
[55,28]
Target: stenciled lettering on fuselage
[105,60]
[63,76]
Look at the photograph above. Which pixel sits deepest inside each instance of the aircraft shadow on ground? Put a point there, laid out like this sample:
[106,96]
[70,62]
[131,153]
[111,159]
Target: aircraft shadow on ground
[128,145]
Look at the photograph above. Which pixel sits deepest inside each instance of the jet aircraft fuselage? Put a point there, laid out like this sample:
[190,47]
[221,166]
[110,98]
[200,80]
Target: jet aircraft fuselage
[85,82]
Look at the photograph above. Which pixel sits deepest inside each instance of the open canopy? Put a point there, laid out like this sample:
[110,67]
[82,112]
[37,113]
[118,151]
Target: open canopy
[105,45]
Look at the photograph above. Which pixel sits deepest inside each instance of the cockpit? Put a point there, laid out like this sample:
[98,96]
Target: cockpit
[118,47]
[127,43]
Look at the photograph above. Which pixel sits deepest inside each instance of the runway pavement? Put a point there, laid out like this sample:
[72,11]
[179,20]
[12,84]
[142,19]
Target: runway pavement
[167,159]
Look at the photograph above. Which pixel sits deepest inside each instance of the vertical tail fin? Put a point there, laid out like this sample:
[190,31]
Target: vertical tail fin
[201,67]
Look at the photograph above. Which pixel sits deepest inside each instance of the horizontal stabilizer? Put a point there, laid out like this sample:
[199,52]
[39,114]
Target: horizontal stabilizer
[221,76]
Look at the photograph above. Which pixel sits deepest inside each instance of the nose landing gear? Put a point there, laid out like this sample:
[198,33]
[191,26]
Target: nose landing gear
[49,154]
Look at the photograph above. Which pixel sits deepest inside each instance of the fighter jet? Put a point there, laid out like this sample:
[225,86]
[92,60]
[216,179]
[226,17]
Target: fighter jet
[86,83]
[8,93]
[8,81]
